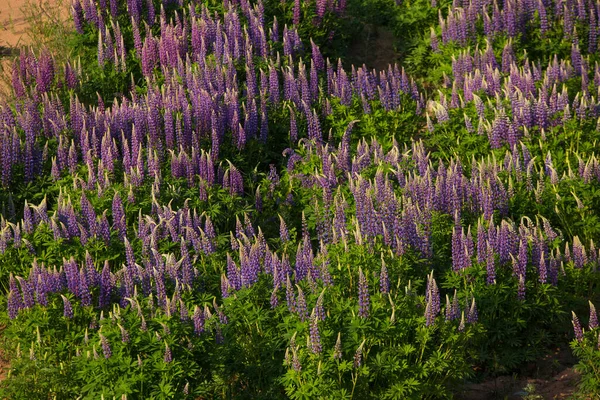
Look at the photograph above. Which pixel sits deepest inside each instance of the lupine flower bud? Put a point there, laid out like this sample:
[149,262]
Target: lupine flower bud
[296,361]
[384,281]
[432,297]
[301,304]
[198,320]
[283,231]
[358,359]
[106,350]
[461,326]
[472,316]
[593,317]
[577,328]
[521,288]
[168,356]
[289,295]
[337,350]
[124,334]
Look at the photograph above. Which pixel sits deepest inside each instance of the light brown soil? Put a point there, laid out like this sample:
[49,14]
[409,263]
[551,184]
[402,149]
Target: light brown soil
[19,27]
[15,19]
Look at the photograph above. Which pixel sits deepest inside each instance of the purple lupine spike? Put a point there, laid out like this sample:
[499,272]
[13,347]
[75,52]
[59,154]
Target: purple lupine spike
[78,18]
[26,290]
[129,256]
[490,263]
[384,281]
[118,214]
[542,269]
[337,349]
[448,312]
[41,290]
[106,286]
[577,328]
[124,334]
[455,313]
[317,57]
[521,288]
[226,288]
[168,357]
[433,306]
[296,15]
[289,294]
[68,309]
[472,316]
[522,258]
[301,305]
[45,72]
[579,253]
[296,362]
[363,295]
[27,219]
[106,350]
[84,291]
[358,358]
[593,317]
[283,231]
[198,320]
[293,127]
[274,300]
[15,301]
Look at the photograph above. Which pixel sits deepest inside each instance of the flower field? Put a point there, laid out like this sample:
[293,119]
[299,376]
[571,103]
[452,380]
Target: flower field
[207,199]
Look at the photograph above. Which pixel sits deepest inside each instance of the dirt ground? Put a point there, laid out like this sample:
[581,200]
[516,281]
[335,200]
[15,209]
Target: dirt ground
[550,378]
[13,24]
[375,48]
[15,18]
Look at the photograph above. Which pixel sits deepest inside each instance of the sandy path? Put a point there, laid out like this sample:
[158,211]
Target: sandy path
[14,18]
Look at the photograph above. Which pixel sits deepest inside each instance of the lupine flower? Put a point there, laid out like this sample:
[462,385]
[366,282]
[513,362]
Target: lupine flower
[168,356]
[363,295]
[521,288]
[472,316]
[432,297]
[14,303]
[490,265]
[67,308]
[283,231]
[593,317]
[26,290]
[577,328]
[301,305]
[337,350]
[296,361]
[289,295]
[124,334]
[358,357]
[274,301]
[106,350]
[384,282]
[198,320]
[461,325]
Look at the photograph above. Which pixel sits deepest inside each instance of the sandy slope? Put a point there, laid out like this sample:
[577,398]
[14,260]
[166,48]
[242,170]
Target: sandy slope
[14,22]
